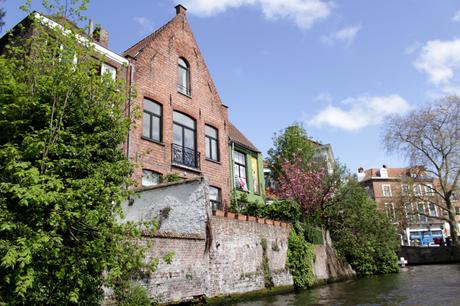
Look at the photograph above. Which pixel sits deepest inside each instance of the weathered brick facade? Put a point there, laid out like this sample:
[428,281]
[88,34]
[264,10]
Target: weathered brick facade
[155,62]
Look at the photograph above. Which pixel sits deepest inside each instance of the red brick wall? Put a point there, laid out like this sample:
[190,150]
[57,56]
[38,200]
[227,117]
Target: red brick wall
[156,78]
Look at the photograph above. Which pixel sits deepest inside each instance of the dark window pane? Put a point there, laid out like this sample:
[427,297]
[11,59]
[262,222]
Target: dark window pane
[214,154]
[208,148]
[150,178]
[178,135]
[155,128]
[146,124]
[189,139]
[152,107]
[184,120]
[210,131]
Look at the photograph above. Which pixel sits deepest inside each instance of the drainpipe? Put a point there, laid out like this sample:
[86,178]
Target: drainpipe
[131,85]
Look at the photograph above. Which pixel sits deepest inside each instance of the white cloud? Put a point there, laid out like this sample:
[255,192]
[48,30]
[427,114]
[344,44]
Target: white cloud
[358,112]
[456,17]
[346,35]
[304,13]
[440,60]
[146,25]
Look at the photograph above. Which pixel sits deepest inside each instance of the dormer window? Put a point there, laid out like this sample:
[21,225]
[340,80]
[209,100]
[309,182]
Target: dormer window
[183,85]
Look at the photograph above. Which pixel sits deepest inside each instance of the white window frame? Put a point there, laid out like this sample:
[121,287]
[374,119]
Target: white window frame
[389,189]
[429,189]
[390,210]
[106,68]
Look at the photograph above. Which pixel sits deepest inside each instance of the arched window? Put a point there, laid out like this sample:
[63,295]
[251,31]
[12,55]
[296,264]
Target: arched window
[184,141]
[183,85]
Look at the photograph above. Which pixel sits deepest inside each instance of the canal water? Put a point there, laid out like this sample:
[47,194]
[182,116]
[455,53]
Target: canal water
[416,285]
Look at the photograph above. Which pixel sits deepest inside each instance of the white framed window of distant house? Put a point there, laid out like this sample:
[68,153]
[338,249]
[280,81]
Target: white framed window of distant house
[429,189]
[390,211]
[386,190]
[421,210]
[112,71]
[418,190]
[433,210]
[150,178]
[404,189]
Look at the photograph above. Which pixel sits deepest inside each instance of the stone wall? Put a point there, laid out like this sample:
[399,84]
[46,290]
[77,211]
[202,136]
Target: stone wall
[181,208]
[219,253]
[236,255]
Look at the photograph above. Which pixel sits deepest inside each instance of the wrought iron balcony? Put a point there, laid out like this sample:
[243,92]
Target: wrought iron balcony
[184,156]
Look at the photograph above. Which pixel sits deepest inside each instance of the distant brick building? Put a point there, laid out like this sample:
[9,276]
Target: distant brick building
[184,124]
[408,200]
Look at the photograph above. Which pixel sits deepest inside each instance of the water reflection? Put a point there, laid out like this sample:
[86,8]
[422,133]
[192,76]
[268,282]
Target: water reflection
[420,285]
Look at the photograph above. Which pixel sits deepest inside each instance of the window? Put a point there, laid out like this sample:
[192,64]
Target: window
[410,212]
[429,190]
[214,197]
[457,210]
[418,190]
[211,142]
[112,71]
[405,190]
[183,86]
[152,120]
[433,211]
[150,178]
[184,146]
[390,210]
[239,160]
[255,174]
[421,210]
[386,190]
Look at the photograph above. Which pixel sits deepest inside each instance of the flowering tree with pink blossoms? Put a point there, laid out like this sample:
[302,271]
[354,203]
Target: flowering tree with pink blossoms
[313,188]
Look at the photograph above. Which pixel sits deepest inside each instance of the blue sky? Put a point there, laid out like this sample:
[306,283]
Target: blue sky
[339,67]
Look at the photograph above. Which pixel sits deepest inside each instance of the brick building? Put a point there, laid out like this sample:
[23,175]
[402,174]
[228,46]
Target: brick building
[407,196]
[184,124]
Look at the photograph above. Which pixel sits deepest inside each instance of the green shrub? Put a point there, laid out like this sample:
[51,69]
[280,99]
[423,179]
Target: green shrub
[170,177]
[136,295]
[363,236]
[300,258]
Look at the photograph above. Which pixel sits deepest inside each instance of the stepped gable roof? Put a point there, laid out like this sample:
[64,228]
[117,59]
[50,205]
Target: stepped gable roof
[236,136]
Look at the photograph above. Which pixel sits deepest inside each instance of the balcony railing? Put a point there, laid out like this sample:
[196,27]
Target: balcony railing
[184,156]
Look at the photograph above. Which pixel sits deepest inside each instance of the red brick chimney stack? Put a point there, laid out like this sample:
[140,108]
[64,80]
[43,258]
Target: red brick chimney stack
[180,9]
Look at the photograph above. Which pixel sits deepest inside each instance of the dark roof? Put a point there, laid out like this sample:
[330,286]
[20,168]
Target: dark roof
[237,137]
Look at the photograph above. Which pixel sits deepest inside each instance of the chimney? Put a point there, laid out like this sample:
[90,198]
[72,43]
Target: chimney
[180,9]
[361,174]
[101,36]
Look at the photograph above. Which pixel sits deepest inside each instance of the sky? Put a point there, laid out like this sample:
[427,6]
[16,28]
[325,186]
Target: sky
[337,67]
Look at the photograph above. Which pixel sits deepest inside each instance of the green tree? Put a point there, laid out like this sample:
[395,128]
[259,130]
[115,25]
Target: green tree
[362,235]
[63,175]
[290,144]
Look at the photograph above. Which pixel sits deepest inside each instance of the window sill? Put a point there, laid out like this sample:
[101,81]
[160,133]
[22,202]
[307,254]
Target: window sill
[196,170]
[213,161]
[153,140]
[184,94]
